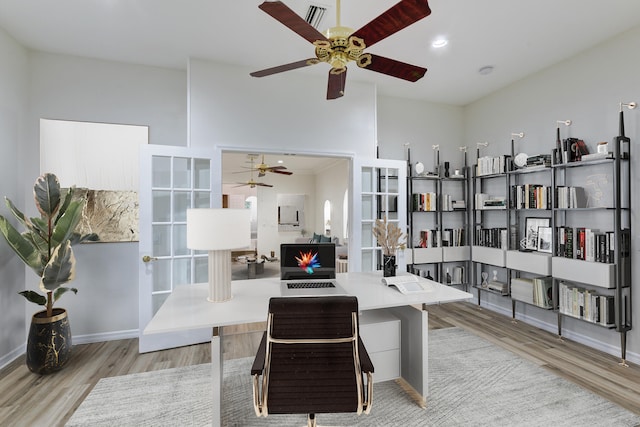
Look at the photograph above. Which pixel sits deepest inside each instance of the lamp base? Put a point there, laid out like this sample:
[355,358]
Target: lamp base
[219,276]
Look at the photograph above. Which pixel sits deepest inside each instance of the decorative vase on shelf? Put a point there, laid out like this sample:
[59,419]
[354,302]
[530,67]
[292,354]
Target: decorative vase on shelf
[388,265]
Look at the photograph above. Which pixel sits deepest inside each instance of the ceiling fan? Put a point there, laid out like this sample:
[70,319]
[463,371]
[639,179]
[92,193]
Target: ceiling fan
[253,183]
[263,168]
[341,45]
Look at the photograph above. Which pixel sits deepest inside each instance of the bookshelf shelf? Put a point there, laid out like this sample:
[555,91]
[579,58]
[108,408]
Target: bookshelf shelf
[592,258]
[489,218]
[438,240]
[491,291]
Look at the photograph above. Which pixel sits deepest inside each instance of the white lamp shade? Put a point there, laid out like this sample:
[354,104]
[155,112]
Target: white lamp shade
[218,229]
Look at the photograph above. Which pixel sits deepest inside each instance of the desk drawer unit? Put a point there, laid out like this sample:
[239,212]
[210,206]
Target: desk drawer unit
[380,333]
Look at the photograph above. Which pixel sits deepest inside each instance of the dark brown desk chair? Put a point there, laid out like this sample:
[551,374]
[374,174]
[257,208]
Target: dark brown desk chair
[311,359]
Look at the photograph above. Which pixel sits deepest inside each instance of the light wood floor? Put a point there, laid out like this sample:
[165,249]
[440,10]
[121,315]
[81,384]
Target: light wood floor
[27,399]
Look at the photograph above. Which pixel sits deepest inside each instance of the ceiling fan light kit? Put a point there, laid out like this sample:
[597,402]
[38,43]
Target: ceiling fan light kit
[341,45]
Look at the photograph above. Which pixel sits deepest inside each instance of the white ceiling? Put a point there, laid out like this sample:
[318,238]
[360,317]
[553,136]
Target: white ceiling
[517,37]
[236,167]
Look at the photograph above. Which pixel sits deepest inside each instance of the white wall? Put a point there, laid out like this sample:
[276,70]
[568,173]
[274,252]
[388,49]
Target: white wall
[269,238]
[13,108]
[287,112]
[331,184]
[422,125]
[585,89]
[71,88]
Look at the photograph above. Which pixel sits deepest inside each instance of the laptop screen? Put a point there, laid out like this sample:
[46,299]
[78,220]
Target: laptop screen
[307,261]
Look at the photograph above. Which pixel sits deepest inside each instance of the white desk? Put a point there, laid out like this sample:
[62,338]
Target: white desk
[187,308]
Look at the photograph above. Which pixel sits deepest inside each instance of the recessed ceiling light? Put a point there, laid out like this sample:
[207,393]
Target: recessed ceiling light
[441,42]
[280,162]
[487,69]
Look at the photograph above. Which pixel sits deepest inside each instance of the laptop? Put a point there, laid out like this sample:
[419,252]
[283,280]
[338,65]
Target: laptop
[308,269]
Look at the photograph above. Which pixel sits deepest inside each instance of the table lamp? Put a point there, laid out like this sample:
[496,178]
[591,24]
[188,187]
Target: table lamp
[218,231]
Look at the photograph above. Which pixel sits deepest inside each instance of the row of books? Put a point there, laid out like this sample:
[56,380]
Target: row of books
[570,197]
[491,237]
[442,238]
[569,150]
[491,165]
[449,204]
[424,202]
[587,244]
[586,304]
[428,202]
[535,291]
[543,160]
[484,201]
[530,196]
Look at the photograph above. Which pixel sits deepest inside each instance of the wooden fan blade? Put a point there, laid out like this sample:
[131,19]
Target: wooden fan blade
[393,68]
[280,171]
[400,16]
[285,67]
[337,81]
[291,20]
[263,185]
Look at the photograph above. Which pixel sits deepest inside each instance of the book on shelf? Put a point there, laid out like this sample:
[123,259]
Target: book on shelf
[586,304]
[458,275]
[429,239]
[424,202]
[530,196]
[522,289]
[570,197]
[491,165]
[453,237]
[596,156]
[501,287]
[485,201]
[585,244]
[491,237]
[543,292]
[543,160]
[573,149]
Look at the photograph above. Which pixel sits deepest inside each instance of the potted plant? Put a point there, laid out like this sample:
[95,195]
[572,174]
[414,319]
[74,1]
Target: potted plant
[45,246]
[390,238]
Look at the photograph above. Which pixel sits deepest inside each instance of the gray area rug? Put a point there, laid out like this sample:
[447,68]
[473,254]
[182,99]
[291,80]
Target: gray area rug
[472,383]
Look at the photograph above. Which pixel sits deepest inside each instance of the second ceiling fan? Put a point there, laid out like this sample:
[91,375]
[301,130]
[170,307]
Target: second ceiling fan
[341,45]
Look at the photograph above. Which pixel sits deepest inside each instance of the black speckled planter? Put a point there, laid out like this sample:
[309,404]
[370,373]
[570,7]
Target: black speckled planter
[388,265]
[49,342]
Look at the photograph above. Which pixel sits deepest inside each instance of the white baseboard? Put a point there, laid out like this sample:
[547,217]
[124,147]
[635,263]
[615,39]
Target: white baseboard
[10,357]
[553,328]
[76,339]
[107,336]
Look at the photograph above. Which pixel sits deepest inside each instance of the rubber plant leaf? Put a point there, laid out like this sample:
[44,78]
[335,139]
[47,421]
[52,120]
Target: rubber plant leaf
[26,222]
[46,192]
[67,223]
[60,269]
[61,291]
[21,246]
[34,297]
[65,204]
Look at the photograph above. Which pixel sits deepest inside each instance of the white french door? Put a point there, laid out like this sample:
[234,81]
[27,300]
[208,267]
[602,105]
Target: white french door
[379,190]
[172,179]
